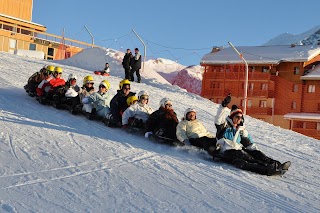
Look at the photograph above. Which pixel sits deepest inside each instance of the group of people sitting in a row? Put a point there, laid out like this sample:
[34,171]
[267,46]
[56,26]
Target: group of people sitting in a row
[232,143]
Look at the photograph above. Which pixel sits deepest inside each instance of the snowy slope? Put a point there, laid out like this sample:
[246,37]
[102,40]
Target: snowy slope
[52,161]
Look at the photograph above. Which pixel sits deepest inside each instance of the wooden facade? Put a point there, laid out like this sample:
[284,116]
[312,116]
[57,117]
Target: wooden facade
[274,90]
[18,32]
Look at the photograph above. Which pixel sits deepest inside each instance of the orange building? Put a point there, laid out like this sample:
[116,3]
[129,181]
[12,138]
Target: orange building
[17,31]
[283,83]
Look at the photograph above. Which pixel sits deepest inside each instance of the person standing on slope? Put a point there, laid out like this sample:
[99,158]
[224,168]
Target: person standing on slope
[126,63]
[136,66]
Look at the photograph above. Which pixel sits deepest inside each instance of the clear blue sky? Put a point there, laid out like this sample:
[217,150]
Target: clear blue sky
[176,30]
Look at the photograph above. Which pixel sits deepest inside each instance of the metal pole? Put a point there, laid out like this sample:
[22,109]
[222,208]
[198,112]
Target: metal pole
[145,49]
[92,38]
[246,81]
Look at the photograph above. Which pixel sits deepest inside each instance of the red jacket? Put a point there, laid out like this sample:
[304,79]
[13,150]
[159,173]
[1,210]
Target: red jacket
[49,85]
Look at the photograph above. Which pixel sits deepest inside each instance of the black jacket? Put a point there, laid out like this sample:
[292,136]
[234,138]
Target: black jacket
[126,62]
[165,120]
[118,105]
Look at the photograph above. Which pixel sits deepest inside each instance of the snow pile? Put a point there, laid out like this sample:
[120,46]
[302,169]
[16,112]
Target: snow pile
[160,70]
[30,53]
[52,161]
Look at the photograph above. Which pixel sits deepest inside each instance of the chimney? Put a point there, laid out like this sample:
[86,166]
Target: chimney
[215,49]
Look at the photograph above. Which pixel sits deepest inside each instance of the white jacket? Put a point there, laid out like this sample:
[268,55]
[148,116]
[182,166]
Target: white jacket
[221,116]
[138,111]
[191,129]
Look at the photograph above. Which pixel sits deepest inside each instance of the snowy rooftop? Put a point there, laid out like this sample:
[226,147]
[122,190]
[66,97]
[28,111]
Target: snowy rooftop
[263,54]
[314,74]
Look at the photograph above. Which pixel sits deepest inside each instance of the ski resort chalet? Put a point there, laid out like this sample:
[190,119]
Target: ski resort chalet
[18,33]
[283,83]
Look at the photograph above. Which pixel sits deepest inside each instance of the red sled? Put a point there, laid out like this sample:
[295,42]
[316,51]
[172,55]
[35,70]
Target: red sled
[99,73]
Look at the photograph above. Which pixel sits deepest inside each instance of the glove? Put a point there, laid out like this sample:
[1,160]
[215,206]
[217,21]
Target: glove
[226,100]
[147,134]
[186,142]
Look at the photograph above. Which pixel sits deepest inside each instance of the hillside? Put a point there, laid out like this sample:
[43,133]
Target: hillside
[52,161]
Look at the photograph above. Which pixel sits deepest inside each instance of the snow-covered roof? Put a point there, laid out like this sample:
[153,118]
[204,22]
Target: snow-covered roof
[313,74]
[263,54]
[303,116]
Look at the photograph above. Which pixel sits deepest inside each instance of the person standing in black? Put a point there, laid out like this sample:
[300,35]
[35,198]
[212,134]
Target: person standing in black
[136,66]
[126,62]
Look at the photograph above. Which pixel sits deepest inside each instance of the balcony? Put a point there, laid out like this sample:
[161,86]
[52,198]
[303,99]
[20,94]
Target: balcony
[259,110]
[308,132]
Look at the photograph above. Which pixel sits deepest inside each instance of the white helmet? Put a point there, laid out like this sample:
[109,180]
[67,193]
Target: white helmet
[142,93]
[164,101]
[71,76]
[187,111]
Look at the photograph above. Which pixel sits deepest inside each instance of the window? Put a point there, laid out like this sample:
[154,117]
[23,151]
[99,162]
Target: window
[265,69]
[304,125]
[251,85]
[50,51]
[264,86]
[249,103]
[312,88]
[318,126]
[263,104]
[295,88]
[252,69]
[32,46]
[296,70]
[294,105]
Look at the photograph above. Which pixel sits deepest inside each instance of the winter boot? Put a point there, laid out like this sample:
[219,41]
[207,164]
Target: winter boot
[283,168]
[214,151]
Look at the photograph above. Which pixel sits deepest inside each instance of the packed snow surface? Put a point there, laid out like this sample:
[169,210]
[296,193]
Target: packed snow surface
[52,161]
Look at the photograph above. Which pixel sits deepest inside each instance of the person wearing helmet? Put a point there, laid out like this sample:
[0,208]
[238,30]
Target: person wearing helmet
[35,79]
[237,148]
[87,88]
[119,104]
[137,114]
[163,122]
[191,131]
[98,102]
[49,88]
[40,88]
[132,100]
[68,96]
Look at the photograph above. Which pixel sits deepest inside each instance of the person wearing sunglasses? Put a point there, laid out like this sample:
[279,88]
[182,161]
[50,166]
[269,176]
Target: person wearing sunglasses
[236,147]
[137,114]
[162,123]
[118,104]
[98,102]
[190,131]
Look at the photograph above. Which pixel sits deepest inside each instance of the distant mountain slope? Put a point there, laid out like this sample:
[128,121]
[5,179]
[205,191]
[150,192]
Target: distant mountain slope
[309,37]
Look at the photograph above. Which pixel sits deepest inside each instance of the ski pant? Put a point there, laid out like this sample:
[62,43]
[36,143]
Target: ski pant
[127,73]
[203,142]
[137,71]
[72,101]
[251,160]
